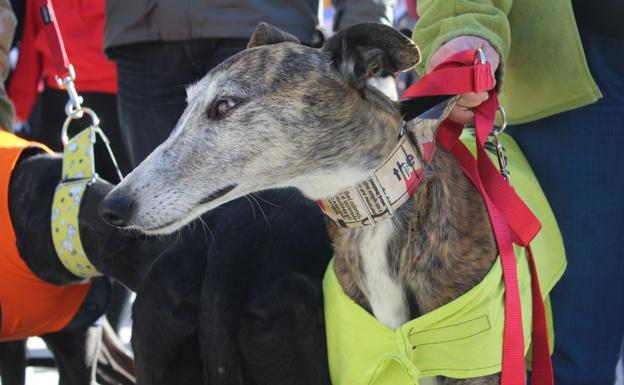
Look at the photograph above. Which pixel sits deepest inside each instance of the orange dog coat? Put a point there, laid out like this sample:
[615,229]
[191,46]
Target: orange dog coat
[29,306]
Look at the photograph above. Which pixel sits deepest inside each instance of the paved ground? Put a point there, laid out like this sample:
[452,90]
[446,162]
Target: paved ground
[49,376]
[46,376]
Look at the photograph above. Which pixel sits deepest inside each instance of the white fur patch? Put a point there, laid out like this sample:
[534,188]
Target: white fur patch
[325,184]
[385,295]
[385,84]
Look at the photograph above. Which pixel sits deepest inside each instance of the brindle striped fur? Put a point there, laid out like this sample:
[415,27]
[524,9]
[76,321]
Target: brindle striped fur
[307,118]
[442,247]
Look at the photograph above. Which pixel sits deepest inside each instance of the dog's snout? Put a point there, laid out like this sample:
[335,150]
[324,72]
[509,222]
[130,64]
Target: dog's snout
[116,208]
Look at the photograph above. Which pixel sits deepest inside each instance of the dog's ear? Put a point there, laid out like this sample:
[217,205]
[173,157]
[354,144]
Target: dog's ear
[266,34]
[366,50]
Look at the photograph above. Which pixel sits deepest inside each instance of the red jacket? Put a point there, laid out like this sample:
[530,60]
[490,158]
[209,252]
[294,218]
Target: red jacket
[30,306]
[81,23]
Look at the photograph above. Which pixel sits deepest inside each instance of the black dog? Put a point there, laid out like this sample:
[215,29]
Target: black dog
[124,258]
[245,295]
[236,302]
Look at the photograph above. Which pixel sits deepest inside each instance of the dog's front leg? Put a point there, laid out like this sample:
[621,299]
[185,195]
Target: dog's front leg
[226,281]
[282,332]
[75,354]
[164,331]
[13,362]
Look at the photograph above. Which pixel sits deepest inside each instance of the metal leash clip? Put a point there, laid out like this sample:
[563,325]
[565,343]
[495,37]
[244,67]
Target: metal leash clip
[75,111]
[95,130]
[73,107]
[480,57]
[500,151]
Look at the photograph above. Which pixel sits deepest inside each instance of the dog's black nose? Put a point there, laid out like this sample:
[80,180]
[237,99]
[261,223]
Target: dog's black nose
[116,208]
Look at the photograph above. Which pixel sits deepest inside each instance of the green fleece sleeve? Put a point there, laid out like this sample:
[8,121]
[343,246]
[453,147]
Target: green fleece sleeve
[443,20]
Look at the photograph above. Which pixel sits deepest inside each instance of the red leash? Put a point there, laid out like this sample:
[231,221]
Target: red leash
[512,221]
[65,74]
[53,35]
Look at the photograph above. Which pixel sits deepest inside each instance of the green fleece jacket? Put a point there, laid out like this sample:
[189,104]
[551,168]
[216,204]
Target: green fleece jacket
[543,67]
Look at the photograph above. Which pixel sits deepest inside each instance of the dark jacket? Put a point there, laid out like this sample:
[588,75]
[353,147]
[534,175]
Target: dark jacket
[170,20]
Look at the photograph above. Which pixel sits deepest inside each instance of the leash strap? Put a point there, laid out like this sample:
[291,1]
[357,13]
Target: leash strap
[512,221]
[542,365]
[53,35]
[65,74]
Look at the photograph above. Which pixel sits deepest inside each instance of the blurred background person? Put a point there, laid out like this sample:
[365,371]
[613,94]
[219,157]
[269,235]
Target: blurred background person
[81,23]
[563,88]
[161,47]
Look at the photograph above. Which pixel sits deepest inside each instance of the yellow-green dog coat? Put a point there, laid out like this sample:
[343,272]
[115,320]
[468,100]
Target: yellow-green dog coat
[462,339]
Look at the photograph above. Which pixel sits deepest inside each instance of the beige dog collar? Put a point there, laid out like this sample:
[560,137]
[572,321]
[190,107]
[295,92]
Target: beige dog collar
[393,183]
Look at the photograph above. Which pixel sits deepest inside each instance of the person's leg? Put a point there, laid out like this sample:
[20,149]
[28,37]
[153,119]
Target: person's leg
[620,367]
[577,158]
[152,79]
[13,362]
[223,49]
[152,86]
[52,118]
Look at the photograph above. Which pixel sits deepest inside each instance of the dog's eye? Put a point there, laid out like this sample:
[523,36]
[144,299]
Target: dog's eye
[221,107]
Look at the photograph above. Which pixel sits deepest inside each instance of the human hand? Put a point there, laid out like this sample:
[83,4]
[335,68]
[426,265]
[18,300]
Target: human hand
[462,112]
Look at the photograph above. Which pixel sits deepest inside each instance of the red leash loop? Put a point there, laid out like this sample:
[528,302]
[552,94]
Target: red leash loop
[53,35]
[512,221]
[65,74]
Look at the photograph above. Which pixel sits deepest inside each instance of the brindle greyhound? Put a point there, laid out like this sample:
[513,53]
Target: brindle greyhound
[282,114]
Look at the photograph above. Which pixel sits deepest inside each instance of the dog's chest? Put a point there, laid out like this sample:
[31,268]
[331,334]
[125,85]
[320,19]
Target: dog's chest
[383,289]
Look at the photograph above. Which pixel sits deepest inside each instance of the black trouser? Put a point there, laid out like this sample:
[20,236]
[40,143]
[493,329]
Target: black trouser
[152,80]
[52,117]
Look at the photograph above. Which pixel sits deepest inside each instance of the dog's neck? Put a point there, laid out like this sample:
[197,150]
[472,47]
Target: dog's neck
[30,198]
[436,247]
[31,190]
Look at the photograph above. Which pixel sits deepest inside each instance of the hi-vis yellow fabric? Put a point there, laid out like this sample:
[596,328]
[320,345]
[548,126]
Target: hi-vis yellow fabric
[78,174]
[462,339]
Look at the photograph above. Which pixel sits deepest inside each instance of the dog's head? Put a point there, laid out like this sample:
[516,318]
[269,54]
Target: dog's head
[277,114]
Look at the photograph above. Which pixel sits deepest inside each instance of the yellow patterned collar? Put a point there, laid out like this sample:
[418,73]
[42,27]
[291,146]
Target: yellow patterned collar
[78,174]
